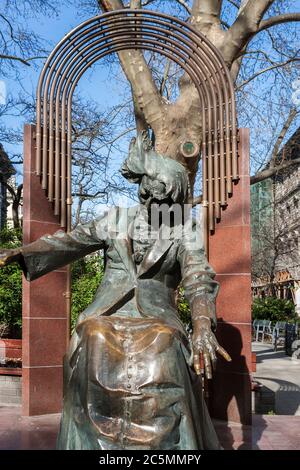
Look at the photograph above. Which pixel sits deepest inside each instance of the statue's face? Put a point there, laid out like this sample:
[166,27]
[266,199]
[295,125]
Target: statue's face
[153,191]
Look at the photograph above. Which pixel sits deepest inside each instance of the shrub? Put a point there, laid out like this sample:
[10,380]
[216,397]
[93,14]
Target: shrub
[274,309]
[11,288]
[184,309]
[86,277]
[87,274]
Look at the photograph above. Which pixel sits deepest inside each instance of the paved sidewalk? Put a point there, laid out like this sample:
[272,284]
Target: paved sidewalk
[276,432]
[280,374]
[39,432]
[17,432]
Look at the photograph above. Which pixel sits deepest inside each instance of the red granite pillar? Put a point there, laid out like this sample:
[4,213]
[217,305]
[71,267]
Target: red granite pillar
[45,304]
[230,256]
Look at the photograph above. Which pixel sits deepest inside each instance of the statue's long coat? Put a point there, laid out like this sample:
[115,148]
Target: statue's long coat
[128,382]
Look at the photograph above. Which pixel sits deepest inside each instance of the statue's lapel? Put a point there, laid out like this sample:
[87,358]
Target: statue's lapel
[123,243]
[154,254]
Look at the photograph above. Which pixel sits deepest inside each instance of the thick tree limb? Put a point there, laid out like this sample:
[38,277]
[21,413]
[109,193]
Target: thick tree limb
[206,12]
[148,101]
[135,4]
[275,20]
[185,6]
[244,28]
[292,114]
[276,165]
[196,200]
[268,172]
[109,5]
[250,15]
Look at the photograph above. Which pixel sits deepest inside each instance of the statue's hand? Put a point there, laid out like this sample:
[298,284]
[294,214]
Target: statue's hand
[205,343]
[9,256]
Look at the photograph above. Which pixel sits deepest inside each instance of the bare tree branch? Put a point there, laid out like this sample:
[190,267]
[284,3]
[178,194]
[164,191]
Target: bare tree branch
[20,59]
[278,163]
[267,69]
[269,172]
[165,77]
[275,20]
[244,28]
[185,5]
[12,57]
[292,114]
[235,4]
[9,25]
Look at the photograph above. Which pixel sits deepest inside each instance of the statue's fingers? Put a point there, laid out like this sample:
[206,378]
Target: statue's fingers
[213,358]
[197,363]
[207,364]
[223,353]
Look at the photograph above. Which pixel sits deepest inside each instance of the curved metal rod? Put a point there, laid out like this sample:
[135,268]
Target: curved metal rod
[84,59]
[65,42]
[143,30]
[143,16]
[213,166]
[74,50]
[121,46]
[142,20]
[211,54]
[126,34]
[218,160]
[71,70]
[52,70]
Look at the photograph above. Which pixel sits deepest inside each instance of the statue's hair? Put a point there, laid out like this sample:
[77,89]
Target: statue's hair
[144,160]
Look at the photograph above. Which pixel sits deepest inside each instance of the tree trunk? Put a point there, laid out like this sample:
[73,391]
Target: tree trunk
[176,123]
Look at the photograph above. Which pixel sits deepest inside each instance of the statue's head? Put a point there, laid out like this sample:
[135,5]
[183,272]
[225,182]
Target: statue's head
[160,179]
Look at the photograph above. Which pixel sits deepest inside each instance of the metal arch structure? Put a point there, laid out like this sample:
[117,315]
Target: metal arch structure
[141,30]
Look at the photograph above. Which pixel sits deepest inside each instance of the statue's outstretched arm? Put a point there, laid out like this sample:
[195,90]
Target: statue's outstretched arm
[201,291]
[51,252]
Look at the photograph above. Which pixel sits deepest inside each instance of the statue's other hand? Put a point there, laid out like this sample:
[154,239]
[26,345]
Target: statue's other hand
[205,344]
[9,256]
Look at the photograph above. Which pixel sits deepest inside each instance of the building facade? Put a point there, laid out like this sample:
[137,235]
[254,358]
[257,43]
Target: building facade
[275,229]
[6,172]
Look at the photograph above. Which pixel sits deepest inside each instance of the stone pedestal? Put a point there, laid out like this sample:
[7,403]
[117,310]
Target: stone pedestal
[45,302]
[230,256]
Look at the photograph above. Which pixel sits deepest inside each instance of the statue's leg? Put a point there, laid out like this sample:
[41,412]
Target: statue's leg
[131,388]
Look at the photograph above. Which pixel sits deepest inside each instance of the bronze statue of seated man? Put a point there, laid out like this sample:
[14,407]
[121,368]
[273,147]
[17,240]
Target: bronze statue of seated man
[132,373]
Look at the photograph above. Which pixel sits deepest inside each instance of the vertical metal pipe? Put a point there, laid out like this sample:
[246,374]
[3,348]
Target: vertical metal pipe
[234,143]
[80,73]
[45,144]
[52,136]
[38,134]
[210,175]
[216,167]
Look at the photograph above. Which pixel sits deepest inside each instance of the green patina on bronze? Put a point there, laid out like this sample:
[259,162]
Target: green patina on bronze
[129,381]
